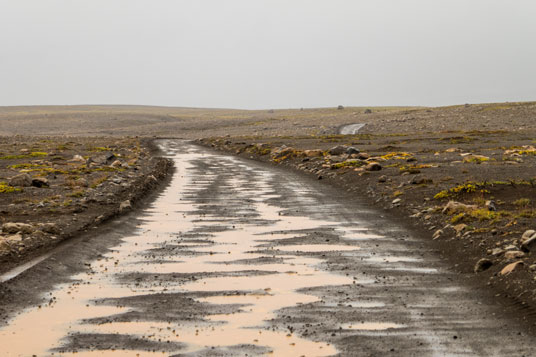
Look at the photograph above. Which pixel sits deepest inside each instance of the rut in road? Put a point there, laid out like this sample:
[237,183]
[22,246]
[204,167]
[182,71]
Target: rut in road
[235,258]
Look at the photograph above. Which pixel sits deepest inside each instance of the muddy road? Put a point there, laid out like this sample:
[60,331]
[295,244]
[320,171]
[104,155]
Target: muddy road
[236,258]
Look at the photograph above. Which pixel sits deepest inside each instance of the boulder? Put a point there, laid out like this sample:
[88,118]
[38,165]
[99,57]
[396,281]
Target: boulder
[17,227]
[116,163]
[337,150]
[40,182]
[482,265]
[22,180]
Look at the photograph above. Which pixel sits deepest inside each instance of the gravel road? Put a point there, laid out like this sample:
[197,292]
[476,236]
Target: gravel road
[237,258]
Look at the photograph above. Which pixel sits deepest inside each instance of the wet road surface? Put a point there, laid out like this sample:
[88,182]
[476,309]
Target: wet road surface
[235,258]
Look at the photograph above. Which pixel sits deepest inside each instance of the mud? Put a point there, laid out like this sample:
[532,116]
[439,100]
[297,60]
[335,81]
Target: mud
[237,258]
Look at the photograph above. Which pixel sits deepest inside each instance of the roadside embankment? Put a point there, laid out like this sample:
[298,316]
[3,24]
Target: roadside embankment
[53,188]
[471,194]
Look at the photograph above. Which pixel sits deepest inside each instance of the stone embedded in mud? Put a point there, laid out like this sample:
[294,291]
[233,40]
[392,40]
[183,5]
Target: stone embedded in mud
[482,265]
[514,254]
[22,180]
[490,205]
[17,227]
[497,251]
[125,206]
[382,179]
[40,182]
[396,201]
[511,267]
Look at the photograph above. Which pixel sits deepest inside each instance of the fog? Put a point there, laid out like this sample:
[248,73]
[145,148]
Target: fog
[266,53]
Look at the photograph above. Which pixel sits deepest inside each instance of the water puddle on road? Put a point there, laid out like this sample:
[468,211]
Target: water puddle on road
[236,267]
[372,326]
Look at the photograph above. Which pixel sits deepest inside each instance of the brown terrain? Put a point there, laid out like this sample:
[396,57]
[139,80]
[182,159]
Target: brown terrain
[461,178]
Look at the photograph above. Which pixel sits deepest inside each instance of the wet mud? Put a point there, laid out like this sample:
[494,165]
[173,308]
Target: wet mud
[235,258]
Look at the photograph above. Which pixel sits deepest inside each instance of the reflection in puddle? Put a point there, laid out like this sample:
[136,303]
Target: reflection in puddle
[372,326]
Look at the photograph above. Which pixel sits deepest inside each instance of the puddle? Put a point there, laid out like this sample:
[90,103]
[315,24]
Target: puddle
[167,242]
[372,326]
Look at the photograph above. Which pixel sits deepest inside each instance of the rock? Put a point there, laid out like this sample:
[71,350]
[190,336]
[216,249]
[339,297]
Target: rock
[125,206]
[382,179]
[459,227]
[528,234]
[511,267]
[40,182]
[437,234]
[373,166]
[396,200]
[281,151]
[529,245]
[453,207]
[116,163]
[490,205]
[352,150]
[14,238]
[368,111]
[51,228]
[313,153]
[532,267]
[337,150]
[101,159]
[420,180]
[22,180]
[340,107]
[18,227]
[453,150]
[497,251]
[363,156]
[514,254]
[78,158]
[81,182]
[483,264]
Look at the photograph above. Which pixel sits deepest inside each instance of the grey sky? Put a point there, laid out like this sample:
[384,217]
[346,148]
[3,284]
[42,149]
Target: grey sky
[267,53]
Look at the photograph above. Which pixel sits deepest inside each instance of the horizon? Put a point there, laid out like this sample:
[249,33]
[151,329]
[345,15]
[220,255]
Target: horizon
[267,54]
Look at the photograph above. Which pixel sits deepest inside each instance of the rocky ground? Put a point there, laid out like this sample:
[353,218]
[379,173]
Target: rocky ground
[53,188]
[472,193]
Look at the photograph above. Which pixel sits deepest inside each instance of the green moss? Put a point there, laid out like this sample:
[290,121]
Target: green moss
[522,202]
[24,156]
[25,166]
[5,188]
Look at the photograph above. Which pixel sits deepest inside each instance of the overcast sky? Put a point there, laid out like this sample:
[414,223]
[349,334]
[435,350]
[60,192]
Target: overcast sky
[267,53]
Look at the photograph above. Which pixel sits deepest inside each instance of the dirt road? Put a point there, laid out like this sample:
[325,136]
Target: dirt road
[237,258]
